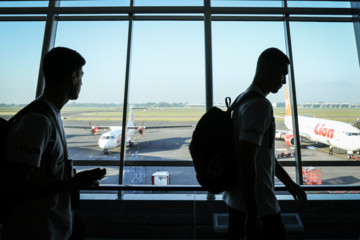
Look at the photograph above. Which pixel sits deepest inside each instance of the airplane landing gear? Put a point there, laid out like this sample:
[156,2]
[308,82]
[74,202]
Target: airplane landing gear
[350,154]
[106,151]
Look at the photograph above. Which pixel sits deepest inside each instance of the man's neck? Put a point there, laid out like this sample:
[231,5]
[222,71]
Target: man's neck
[57,98]
[259,86]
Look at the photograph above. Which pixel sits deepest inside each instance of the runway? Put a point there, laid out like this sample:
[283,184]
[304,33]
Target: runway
[172,144]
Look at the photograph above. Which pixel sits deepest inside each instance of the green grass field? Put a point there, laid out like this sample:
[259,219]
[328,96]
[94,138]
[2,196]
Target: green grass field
[185,114]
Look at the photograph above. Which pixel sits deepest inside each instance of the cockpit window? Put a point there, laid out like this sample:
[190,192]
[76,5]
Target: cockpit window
[107,137]
[352,134]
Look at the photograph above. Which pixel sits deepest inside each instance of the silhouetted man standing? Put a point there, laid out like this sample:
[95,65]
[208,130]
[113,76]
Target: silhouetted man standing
[39,173]
[254,210]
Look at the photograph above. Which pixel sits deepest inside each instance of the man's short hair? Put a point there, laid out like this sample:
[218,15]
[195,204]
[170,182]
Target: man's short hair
[59,62]
[273,55]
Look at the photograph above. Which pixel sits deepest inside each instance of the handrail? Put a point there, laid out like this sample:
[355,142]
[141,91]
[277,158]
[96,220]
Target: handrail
[181,163]
[115,187]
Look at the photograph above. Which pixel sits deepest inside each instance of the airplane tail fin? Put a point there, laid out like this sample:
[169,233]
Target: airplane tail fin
[131,121]
[287,102]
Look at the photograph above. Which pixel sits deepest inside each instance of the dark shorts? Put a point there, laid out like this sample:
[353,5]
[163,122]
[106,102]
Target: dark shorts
[273,226]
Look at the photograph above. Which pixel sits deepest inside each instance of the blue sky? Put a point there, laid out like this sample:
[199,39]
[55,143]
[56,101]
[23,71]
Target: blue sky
[168,58]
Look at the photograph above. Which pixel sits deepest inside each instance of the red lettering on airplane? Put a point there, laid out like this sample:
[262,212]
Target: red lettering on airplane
[323,131]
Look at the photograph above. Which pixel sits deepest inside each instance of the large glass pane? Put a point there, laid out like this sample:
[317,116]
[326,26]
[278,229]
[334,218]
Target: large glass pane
[236,48]
[167,78]
[24,3]
[99,107]
[319,4]
[95,3]
[241,3]
[327,79]
[168,3]
[20,47]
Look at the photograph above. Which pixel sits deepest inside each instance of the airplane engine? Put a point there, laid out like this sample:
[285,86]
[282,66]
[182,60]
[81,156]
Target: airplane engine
[289,139]
[140,130]
[94,130]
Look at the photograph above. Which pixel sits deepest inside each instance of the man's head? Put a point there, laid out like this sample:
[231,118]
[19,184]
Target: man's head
[272,68]
[62,69]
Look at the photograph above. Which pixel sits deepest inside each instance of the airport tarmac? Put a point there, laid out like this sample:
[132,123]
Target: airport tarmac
[172,144]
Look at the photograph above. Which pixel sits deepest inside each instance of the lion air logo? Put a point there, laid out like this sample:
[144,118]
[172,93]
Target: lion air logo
[322,130]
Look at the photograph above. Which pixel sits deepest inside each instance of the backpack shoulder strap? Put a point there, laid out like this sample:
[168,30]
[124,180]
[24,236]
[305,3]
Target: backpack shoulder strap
[242,97]
[41,107]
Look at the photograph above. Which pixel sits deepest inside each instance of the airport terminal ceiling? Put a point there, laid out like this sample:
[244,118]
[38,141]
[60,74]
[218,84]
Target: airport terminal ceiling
[154,69]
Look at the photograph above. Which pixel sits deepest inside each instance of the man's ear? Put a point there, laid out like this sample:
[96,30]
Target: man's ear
[73,78]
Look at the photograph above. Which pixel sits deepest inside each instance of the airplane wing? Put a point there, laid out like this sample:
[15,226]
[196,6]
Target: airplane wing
[153,127]
[82,127]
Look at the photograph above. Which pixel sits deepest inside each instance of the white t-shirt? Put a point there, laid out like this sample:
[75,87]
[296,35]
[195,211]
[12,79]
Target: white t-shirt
[252,120]
[32,142]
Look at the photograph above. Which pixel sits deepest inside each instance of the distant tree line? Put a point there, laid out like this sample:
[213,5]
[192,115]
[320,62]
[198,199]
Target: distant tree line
[12,105]
[108,105]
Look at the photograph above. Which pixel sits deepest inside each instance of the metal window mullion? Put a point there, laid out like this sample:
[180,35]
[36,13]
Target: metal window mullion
[126,98]
[179,9]
[208,65]
[48,43]
[295,122]
[356,22]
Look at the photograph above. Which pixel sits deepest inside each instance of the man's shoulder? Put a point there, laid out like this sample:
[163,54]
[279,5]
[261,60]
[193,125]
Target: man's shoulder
[256,101]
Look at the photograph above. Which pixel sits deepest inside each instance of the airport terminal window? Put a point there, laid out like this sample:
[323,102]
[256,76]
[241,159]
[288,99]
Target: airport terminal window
[95,3]
[327,78]
[24,3]
[167,82]
[236,48]
[167,79]
[103,45]
[169,3]
[319,4]
[21,44]
[230,3]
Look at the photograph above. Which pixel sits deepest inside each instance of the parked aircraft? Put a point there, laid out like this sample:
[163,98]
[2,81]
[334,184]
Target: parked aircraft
[333,133]
[112,138]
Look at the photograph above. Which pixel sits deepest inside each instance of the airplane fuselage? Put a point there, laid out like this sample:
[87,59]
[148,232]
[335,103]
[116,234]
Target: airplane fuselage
[338,134]
[112,138]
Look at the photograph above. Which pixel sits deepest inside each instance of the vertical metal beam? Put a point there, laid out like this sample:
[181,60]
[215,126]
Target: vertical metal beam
[208,65]
[208,56]
[126,98]
[48,42]
[356,16]
[295,122]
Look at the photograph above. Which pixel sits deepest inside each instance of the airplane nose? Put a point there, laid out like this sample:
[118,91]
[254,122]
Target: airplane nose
[102,143]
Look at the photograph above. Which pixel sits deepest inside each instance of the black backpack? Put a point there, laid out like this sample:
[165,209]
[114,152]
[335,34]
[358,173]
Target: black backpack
[212,147]
[6,201]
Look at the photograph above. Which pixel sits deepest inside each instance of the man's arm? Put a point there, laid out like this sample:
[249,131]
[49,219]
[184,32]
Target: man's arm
[18,182]
[246,160]
[295,190]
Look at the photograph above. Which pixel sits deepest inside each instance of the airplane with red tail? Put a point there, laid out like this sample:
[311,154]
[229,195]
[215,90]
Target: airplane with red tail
[112,138]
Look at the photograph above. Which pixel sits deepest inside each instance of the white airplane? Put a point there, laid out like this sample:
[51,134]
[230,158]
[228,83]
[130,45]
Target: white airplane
[112,139]
[333,133]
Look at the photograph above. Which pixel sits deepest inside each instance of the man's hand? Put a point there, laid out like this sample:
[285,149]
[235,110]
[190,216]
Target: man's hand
[87,178]
[297,191]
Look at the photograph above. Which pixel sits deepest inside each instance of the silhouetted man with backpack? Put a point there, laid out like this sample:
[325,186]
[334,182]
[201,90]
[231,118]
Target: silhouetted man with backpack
[39,176]
[254,210]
